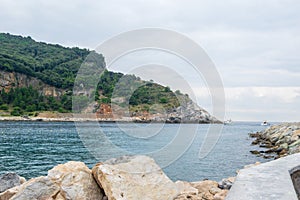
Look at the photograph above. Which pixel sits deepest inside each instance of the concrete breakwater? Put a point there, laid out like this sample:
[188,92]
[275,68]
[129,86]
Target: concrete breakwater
[278,179]
[128,177]
[279,140]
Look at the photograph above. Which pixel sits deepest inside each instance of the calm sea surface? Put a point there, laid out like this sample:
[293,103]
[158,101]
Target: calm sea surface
[32,148]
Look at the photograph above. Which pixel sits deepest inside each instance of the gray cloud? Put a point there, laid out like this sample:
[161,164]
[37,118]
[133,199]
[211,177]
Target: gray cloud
[253,43]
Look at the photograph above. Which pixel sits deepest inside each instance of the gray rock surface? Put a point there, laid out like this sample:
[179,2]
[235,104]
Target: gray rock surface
[281,140]
[36,189]
[226,183]
[189,112]
[10,180]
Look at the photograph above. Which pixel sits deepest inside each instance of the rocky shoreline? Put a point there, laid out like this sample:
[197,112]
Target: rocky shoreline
[278,140]
[171,120]
[188,113]
[128,177]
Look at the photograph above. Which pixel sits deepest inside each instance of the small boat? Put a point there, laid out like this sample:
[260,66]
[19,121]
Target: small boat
[264,123]
[227,122]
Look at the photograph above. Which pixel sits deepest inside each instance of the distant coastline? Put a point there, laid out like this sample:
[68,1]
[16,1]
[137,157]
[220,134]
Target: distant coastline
[104,120]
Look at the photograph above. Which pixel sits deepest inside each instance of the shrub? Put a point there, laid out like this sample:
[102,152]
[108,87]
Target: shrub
[4,107]
[16,111]
[163,100]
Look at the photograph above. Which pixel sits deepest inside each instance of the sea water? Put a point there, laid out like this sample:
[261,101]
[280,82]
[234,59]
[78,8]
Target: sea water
[32,148]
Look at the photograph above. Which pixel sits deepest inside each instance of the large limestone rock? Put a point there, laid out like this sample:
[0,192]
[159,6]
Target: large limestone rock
[10,180]
[134,177]
[72,181]
[75,181]
[125,178]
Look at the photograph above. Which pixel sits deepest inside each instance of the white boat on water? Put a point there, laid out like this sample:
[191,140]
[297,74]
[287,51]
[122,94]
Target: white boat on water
[227,122]
[264,123]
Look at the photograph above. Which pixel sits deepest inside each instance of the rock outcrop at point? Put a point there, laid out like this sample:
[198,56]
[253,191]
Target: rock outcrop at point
[190,112]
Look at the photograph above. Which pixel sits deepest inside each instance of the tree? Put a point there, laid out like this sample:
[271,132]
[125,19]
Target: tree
[163,100]
[16,111]
[4,107]
[167,89]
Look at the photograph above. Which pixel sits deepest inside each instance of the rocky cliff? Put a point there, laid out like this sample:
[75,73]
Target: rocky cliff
[9,80]
[188,112]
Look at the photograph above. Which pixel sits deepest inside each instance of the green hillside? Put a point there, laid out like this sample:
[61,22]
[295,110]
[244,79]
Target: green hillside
[53,64]
[57,66]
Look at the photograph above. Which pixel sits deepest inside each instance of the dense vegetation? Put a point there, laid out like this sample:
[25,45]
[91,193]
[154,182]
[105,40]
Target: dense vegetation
[57,66]
[139,94]
[53,64]
[28,100]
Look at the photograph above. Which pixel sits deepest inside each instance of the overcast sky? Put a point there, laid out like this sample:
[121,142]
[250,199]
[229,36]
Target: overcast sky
[254,44]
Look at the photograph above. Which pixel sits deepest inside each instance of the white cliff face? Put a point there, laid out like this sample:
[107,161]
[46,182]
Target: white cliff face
[10,80]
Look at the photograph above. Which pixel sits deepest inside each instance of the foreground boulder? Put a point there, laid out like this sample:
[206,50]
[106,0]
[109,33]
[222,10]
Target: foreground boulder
[75,181]
[72,180]
[37,188]
[125,178]
[10,180]
[132,178]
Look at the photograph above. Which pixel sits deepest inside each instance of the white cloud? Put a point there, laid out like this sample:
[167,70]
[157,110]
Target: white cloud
[280,94]
[257,103]
[274,103]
